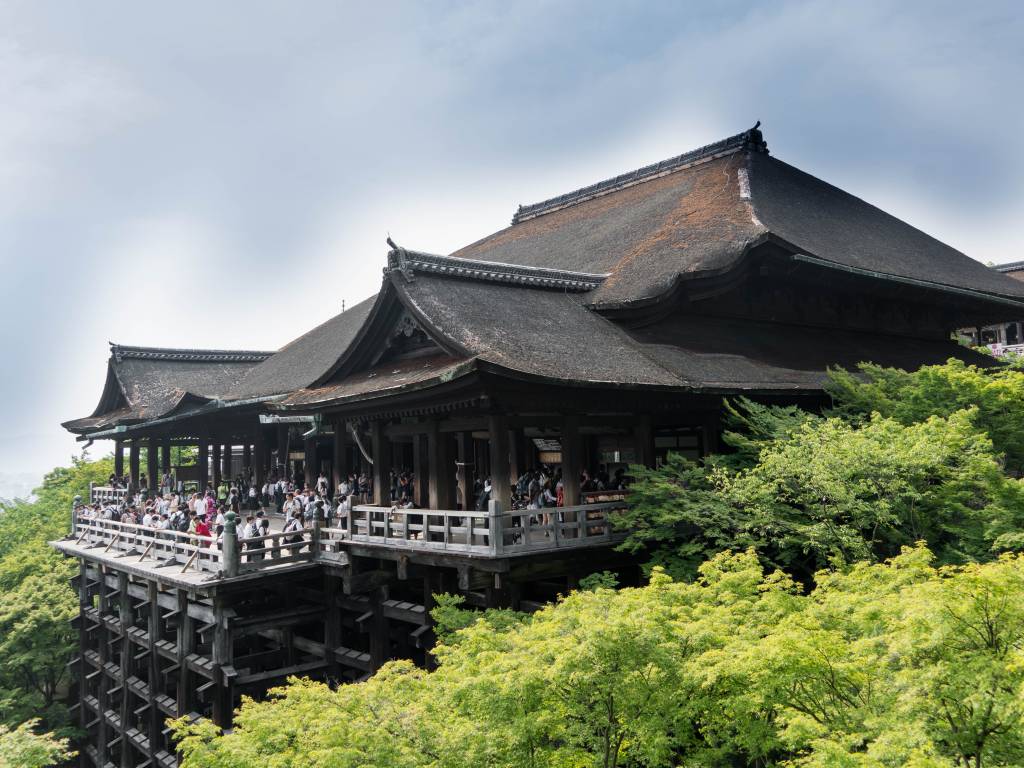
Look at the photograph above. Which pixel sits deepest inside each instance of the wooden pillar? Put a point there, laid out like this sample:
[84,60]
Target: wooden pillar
[332,625]
[246,458]
[712,425]
[380,643]
[309,461]
[133,462]
[381,452]
[226,462]
[127,654]
[105,635]
[571,459]
[155,718]
[185,646]
[203,461]
[152,465]
[119,458]
[440,469]
[259,442]
[515,453]
[339,463]
[84,602]
[223,698]
[165,456]
[420,471]
[466,464]
[282,450]
[643,436]
[501,485]
[215,464]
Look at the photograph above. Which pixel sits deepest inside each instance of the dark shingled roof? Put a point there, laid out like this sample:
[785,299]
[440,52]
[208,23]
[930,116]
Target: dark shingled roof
[531,331]
[383,380]
[146,383]
[701,216]
[301,362]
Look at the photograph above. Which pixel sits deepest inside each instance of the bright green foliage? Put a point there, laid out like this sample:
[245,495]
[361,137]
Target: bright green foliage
[22,747]
[830,491]
[884,665]
[939,390]
[36,600]
[748,426]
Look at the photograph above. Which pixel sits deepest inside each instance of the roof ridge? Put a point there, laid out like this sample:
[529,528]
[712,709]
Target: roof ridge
[751,139]
[124,351]
[409,262]
[1010,266]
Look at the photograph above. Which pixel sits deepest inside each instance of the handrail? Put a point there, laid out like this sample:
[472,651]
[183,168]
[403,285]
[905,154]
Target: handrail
[167,547]
[491,533]
[105,494]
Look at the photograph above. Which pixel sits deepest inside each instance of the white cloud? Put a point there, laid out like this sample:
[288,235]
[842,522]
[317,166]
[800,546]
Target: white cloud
[53,103]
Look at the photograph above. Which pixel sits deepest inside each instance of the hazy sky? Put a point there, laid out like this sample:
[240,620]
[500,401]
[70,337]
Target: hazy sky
[224,174]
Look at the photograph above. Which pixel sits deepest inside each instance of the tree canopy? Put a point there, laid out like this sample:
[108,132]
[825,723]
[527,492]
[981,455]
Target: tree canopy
[895,664]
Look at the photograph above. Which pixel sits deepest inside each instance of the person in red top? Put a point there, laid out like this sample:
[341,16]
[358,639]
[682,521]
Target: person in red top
[202,529]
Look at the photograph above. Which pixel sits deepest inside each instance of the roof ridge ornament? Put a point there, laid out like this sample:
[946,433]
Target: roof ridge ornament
[407,263]
[121,352]
[750,140]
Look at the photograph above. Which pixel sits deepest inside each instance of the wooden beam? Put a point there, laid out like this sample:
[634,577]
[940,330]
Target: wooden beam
[339,468]
[381,452]
[215,461]
[133,462]
[501,485]
[203,460]
[119,458]
[571,447]
[309,465]
[152,466]
[441,469]
[465,459]
[643,436]
[421,484]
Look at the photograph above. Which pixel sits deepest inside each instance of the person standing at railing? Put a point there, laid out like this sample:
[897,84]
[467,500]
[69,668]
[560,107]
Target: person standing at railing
[202,529]
[293,530]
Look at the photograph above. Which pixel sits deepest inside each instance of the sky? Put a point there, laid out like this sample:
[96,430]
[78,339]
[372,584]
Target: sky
[224,175]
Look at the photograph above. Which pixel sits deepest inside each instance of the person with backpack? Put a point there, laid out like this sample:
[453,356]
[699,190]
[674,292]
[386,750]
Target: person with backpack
[294,527]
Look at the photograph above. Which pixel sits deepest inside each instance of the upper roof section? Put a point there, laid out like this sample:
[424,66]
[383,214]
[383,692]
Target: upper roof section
[702,212]
[751,140]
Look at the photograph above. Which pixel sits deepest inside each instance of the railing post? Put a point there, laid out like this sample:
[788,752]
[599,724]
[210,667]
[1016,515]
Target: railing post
[74,510]
[314,534]
[494,527]
[230,554]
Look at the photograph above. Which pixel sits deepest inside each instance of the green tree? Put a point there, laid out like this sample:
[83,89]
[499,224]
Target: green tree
[22,747]
[834,491]
[881,665]
[938,390]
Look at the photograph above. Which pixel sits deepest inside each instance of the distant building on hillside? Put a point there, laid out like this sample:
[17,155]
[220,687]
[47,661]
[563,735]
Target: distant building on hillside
[1001,337]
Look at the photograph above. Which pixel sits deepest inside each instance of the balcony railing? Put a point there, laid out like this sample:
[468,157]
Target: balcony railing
[491,534]
[158,548]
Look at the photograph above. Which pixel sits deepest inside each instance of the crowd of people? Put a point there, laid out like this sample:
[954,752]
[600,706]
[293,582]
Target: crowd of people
[203,513]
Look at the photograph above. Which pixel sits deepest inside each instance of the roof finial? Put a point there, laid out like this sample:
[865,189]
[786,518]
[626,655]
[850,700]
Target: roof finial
[391,243]
[754,139]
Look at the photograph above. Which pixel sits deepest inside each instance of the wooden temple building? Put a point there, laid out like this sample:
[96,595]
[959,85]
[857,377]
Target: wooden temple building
[603,327]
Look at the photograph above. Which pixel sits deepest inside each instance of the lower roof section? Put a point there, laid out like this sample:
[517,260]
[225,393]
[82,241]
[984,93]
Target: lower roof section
[727,355]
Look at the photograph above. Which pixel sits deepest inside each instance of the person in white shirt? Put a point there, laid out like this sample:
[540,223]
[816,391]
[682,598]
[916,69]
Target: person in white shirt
[200,506]
[147,520]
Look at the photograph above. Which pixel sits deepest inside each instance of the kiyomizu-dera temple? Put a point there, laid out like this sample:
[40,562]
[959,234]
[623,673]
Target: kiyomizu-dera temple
[602,328]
